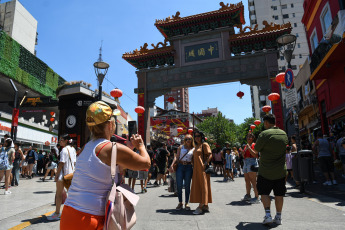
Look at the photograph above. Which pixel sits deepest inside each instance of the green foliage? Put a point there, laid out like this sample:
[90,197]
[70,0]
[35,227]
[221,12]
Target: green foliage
[219,130]
[19,64]
[243,129]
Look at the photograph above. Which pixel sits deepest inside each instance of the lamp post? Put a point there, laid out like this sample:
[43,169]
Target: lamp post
[286,44]
[101,69]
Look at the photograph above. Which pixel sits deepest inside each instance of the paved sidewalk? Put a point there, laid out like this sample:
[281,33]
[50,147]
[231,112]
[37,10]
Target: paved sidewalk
[156,209]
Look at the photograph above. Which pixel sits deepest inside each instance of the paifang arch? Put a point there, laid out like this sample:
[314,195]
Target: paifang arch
[203,49]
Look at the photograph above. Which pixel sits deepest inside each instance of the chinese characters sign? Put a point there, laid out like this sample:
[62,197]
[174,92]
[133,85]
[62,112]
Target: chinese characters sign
[201,52]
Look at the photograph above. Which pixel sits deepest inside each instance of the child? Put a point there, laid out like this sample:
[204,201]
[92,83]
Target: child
[288,160]
[228,165]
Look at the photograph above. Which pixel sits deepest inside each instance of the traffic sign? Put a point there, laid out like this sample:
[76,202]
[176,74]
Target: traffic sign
[289,78]
[171,141]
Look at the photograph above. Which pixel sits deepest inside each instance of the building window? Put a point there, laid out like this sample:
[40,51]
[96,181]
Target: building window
[293,15]
[285,16]
[295,24]
[300,55]
[297,35]
[325,18]
[292,5]
[284,6]
[313,40]
[282,58]
[294,67]
[298,45]
[293,56]
[276,17]
[283,68]
[274,7]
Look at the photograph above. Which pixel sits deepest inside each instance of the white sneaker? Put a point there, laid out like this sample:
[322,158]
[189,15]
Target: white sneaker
[8,192]
[327,183]
[54,216]
[197,211]
[267,220]
[277,220]
[334,182]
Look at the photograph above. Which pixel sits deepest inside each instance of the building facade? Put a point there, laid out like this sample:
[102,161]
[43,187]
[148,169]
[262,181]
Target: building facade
[181,97]
[19,24]
[278,12]
[324,21]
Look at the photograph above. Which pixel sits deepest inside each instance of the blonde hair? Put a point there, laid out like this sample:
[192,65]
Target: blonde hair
[192,144]
[98,131]
[235,150]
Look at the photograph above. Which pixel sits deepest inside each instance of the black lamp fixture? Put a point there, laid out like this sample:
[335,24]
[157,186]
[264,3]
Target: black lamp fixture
[101,69]
[286,44]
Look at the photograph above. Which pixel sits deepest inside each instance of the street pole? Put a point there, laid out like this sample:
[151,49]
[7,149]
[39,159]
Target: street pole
[100,92]
[13,126]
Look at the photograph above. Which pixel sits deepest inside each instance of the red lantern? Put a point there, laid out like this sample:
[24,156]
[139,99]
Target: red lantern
[139,109]
[266,109]
[205,138]
[171,100]
[179,129]
[190,131]
[252,126]
[274,97]
[116,93]
[280,78]
[240,94]
[250,131]
[257,122]
[52,113]
[52,119]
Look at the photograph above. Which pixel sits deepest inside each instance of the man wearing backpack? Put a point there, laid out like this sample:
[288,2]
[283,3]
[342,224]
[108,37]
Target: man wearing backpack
[161,161]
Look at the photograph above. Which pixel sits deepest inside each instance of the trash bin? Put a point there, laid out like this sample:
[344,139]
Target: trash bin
[305,158]
[302,167]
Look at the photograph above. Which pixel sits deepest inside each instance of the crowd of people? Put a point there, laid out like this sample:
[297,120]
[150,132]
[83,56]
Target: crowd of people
[264,162]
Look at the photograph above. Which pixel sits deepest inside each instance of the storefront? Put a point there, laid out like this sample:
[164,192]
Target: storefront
[29,135]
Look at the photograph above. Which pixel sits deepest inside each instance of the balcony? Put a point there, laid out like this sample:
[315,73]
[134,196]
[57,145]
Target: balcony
[251,8]
[328,46]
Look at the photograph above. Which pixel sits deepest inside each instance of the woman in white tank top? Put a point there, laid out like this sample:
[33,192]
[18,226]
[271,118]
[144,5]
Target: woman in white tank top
[85,205]
[184,170]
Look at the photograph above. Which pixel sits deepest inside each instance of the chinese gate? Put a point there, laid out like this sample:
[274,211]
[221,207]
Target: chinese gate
[203,49]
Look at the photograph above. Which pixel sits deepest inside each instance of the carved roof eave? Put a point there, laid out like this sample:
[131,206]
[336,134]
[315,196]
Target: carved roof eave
[161,24]
[169,50]
[258,33]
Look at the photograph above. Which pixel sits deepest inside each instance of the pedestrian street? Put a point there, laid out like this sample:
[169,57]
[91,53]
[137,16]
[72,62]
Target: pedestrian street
[156,209]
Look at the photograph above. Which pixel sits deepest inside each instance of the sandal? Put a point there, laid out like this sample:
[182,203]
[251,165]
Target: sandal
[187,207]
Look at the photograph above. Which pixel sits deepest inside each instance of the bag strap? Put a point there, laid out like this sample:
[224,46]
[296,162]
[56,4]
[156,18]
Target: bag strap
[69,156]
[183,156]
[113,161]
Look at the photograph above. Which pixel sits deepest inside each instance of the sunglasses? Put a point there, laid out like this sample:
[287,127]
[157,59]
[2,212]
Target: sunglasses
[197,135]
[188,139]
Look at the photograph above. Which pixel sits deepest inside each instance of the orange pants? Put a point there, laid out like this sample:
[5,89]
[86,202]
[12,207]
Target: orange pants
[73,219]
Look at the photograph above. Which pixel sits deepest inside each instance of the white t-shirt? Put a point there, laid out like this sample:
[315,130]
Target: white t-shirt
[68,167]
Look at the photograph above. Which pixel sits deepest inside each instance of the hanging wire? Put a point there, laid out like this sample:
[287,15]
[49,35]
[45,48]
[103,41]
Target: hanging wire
[122,92]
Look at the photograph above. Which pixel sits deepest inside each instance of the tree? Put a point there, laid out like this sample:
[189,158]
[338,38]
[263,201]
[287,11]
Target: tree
[243,129]
[219,130]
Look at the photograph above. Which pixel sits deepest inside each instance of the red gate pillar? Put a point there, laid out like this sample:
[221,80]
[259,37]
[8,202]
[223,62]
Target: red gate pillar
[277,107]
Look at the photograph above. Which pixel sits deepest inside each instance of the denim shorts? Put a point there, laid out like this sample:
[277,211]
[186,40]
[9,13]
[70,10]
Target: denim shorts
[248,162]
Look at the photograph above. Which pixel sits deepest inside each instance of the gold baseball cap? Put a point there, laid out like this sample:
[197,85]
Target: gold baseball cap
[98,113]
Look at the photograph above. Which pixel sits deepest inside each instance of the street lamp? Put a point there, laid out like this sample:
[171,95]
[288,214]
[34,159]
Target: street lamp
[101,69]
[286,44]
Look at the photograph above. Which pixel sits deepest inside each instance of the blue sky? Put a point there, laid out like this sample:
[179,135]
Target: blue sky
[70,34]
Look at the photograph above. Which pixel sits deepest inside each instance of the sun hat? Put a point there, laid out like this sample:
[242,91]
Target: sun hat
[98,113]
